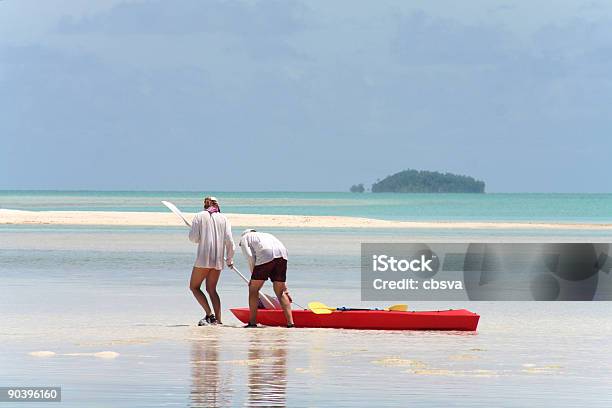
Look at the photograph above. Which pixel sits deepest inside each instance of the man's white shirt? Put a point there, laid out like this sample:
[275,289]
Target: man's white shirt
[260,248]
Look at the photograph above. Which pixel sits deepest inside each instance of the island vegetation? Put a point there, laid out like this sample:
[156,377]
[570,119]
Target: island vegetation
[357,188]
[415,181]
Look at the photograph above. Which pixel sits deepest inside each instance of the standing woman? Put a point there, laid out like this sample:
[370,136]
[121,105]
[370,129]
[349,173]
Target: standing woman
[213,234]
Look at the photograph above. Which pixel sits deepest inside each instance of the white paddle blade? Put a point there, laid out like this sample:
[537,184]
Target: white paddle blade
[176,211]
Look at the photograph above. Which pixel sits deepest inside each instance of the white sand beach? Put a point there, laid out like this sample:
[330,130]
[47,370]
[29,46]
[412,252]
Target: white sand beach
[167,219]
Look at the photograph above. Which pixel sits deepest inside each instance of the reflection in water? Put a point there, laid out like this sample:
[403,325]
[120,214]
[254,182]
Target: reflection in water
[260,378]
[267,379]
[209,388]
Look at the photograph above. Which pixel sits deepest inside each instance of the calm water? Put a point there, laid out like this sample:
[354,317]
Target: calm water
[78,292]
[486,207]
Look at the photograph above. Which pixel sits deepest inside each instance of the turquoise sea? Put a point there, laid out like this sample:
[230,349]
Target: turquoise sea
[595,208]
[105,312]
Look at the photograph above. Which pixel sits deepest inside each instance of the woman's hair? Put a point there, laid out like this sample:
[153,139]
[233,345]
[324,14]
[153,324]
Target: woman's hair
[209,200]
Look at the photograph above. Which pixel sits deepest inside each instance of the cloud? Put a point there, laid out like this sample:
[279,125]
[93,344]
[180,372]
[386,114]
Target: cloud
[543,75]
[260,30]
[89,124]
[423,40]
[271,18]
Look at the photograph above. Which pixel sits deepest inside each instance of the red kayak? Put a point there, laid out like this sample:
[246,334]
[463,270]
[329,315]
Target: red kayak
[368,319]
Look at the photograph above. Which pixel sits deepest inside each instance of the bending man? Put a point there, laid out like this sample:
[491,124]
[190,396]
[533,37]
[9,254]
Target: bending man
[267,258]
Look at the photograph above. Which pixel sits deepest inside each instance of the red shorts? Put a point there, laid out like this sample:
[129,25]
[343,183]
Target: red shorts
[275,270]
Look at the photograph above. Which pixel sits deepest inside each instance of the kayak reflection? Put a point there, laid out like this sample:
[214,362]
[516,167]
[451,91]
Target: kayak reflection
[267,379]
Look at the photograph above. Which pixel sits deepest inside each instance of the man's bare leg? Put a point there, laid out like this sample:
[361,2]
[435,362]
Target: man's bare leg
[254,287]
[197,277]
[280,288]
[211,288]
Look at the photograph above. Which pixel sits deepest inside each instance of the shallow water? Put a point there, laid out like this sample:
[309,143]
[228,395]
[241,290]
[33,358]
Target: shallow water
[596,208]
[112,307]
[502,365]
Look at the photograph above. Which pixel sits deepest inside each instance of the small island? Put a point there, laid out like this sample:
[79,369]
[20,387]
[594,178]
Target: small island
[357,188]
[415,181]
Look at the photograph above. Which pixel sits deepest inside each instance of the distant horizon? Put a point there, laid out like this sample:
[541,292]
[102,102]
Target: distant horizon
[286,191]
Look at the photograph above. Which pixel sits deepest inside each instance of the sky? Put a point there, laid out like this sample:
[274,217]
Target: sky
[304,95]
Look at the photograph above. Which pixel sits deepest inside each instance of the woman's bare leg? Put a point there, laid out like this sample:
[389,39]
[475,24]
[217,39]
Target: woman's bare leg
[197,277]
[211,288]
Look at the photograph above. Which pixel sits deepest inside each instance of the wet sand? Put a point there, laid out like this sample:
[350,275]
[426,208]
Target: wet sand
[167,219]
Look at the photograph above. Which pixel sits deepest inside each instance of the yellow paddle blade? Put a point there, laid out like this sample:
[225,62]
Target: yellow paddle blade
[319,308]
[321,311]
[398,308]
[319,305]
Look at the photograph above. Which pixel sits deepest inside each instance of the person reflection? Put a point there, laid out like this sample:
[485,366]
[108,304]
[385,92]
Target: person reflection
[208,388]
[267,378]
